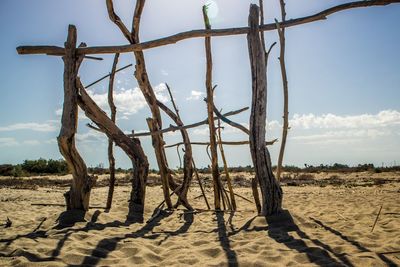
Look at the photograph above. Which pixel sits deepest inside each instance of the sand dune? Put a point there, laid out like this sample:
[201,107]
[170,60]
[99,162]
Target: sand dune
[321,226]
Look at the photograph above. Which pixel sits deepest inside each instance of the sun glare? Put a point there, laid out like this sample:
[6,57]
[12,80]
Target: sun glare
[212,9]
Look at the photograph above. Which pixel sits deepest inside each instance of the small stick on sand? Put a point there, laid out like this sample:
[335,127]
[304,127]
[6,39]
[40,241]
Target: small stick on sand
[341,216]
[7,224]
[236,194]
[156,214]
[377,217]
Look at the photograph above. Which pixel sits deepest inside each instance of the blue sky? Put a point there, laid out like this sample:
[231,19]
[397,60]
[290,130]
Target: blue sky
[343,79]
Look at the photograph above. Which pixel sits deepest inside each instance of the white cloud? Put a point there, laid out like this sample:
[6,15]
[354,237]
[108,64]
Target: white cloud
[195,95]
[330,121]
[90,136]
[164,72]
[32,126]
[31,142]
[334,129]
[129,101]
[11,141]
[8,141]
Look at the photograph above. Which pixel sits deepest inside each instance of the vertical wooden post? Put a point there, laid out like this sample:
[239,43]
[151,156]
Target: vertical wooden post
[281,33]
[113,109]
[79,194]
[228,178]
[271,191]
[210,112]
[157,143]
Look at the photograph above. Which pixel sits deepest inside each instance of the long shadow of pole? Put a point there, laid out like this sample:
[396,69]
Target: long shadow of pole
[224,240]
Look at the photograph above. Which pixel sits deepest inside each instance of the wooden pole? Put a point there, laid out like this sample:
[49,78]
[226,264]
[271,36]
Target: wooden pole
[201,186]
[210,113]
[285,127]
[228,178]
[157,143]
[79,194]
[271,191]
[113,109]
[146,88]
[187,157]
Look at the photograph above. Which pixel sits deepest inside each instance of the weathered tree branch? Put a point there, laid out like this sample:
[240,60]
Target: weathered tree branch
[285,127]
[271,191]
[231,123]
[131,147]
[113,109]
[218,194]
[59,51]
[173,128]
[117,21]
[229,143]
[228,178]
[187,158]
[108,75]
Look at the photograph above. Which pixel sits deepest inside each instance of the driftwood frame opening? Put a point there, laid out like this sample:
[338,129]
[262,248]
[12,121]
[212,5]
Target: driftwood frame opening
[75,94]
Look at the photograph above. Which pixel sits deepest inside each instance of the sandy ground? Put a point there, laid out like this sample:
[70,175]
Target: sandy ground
[320,226]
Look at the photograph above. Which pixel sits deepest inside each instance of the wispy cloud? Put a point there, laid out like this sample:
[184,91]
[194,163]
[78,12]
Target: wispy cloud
[11,142]
[8,141]
[32,126]
[90,136]
[164,72]
[195,95]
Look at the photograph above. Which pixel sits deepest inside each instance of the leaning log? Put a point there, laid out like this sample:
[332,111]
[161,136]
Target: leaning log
[130,146]
[271,191]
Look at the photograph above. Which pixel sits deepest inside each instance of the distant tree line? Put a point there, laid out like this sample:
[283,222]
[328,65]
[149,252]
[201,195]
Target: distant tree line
[34,167]
[59,167]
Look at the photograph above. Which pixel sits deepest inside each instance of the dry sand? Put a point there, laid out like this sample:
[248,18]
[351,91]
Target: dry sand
[321,226]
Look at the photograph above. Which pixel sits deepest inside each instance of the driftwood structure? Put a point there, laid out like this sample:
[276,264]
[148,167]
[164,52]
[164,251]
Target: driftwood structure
[75,95]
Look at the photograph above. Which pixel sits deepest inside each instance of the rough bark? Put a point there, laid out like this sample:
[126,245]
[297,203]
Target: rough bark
[271,191]
[210,113]
[285,127]
[79,194]
[130,146]
[113,109]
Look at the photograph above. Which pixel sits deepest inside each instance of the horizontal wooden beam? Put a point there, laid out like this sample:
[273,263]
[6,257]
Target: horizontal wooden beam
[59,51]
[229,143]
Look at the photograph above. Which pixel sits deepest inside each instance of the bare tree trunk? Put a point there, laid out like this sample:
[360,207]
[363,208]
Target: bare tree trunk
[79,194]
[130,146]
[113,109]
[271,191]
[145,87]
[210,112]
[281,32]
